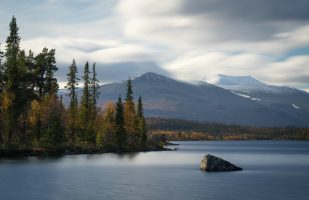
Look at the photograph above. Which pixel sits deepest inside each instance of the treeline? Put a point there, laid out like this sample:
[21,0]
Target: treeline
[177,129]
[32,115]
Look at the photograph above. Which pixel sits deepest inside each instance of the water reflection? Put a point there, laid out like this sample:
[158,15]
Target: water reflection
[273,170]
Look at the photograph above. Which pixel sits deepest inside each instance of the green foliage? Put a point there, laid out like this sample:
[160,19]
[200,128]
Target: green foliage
[14,72]
[107,135]
[131,119]
[120,130]
[141,123]
[44,70]
[86,135]
[94,95]
[33,117]
[129,96]
[53,127]
[72,84]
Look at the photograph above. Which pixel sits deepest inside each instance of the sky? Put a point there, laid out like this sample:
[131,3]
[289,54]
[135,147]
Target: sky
[184,39]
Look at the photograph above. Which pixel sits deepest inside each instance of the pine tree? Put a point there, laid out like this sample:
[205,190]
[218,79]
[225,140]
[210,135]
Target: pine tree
[142,125]
[85,110]
[131,120]
[85,100]
[45,68]
[129,95]
[51,85]
[120,130]
[71,86]
[12,98]
[94,92]
[11,55]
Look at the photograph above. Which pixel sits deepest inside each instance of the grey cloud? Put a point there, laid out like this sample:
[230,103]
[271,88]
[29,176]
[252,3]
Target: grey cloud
[115,71]
[249,19]
[260,10]
[86,48]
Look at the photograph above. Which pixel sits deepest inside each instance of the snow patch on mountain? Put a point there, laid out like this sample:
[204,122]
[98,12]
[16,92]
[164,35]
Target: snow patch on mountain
[295,106]
[247,84]
[247,96]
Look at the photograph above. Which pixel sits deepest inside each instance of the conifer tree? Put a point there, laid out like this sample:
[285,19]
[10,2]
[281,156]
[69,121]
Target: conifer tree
[131,120]
[44,71]
[51,85]
[71,86]
[120,130]
[94,92]
[85,99]
[129,95]
[11,99]
[85,110]
[141,123]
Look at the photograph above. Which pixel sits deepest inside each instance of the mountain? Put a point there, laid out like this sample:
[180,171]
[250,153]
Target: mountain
[282,98]
[170,98]
[248,84]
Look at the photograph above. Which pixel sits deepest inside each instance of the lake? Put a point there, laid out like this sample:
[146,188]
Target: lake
[272,170]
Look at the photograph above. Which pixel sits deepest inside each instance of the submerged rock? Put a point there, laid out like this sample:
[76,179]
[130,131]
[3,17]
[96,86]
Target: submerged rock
[212,163]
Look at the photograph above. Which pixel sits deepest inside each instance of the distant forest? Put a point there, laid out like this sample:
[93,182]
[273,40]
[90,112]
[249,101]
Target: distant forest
[177,129]
[33,117]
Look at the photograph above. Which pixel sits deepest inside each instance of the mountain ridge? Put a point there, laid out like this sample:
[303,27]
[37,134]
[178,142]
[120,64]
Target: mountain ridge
[169,98]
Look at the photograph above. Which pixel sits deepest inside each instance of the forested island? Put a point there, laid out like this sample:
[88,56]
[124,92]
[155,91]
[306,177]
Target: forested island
[34,121]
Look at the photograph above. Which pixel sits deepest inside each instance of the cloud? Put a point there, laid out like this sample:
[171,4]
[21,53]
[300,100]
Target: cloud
[293,71]
[184,38]
[109,72]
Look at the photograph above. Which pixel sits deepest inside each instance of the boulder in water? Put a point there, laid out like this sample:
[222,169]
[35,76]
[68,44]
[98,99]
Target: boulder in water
[212,163]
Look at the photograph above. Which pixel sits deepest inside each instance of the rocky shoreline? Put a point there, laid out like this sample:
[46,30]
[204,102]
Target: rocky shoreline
[62,152]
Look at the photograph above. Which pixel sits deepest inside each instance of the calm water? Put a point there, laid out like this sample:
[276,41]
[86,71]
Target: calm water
[272,170]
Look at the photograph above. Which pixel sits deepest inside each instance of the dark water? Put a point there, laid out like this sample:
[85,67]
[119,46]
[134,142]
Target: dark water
[273,170]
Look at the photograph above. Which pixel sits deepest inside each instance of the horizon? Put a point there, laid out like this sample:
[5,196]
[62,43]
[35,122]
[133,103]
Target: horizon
[209,81]
[125,39]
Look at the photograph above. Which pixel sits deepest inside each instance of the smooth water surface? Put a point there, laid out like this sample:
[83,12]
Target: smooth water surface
[272,170]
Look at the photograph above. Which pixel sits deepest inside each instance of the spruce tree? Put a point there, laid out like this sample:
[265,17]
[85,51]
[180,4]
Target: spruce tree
[85,99]
[11,55]
[129,95]
[131,120]
[51,85]
[12,98]
[142,125]
[71,86]
[120,130]
[94,92]
[85,110]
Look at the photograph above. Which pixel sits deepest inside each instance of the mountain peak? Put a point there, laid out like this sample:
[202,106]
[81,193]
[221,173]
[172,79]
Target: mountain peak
[152,76]
[222,79]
